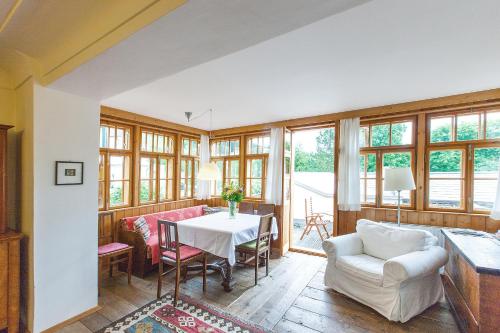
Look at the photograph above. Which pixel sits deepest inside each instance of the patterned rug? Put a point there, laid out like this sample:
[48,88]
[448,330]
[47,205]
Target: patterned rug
[190,316]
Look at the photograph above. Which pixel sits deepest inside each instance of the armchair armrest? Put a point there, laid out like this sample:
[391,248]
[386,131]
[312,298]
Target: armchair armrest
[349,244]
[415,264]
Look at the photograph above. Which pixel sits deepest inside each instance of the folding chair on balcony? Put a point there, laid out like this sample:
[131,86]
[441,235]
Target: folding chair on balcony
[316,220]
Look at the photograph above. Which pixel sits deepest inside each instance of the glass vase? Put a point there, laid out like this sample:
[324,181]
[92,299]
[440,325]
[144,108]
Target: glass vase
[232,209]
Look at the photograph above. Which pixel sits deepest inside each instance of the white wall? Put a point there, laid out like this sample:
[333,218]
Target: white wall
[65,217]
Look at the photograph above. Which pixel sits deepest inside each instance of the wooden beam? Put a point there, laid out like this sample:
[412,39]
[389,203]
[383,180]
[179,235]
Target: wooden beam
[134,118]
[433,104]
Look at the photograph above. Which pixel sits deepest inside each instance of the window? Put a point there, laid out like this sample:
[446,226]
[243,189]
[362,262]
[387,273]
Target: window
[156,182]
[257,152]
[391,133]
[388,144]
[486,164]
[114,166]
[446,178]
[226,154]
[189,165]
[368,178]
[396,160]
[463,160]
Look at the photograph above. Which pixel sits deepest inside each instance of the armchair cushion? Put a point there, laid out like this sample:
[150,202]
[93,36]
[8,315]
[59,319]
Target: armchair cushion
[345,245]
[362,266]
[386,242]
[415,264]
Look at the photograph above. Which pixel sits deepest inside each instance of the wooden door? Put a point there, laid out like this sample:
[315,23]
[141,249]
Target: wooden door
[286,214]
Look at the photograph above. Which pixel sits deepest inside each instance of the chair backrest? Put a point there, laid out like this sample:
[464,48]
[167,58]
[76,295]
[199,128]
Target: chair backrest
[265,227]
[106,227]
[265,209]
[308,207]
[168,237]
[246,208]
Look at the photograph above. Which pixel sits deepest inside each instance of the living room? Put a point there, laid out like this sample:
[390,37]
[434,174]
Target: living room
[215,166]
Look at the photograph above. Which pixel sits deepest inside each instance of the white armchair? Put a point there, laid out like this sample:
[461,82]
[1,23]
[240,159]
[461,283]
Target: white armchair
[392,270]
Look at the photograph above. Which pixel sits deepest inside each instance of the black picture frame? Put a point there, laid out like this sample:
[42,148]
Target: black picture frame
[73,173]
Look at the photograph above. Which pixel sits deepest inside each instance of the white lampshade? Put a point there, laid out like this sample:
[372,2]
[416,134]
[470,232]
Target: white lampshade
[398,179]
[208,171]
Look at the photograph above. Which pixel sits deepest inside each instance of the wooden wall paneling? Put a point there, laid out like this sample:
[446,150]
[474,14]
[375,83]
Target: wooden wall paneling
[492,225]
[478,222]
[420,181]
[463,221]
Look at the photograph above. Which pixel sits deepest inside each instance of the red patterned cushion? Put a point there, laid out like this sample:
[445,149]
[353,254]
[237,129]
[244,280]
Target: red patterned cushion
[111,247]
[185,252]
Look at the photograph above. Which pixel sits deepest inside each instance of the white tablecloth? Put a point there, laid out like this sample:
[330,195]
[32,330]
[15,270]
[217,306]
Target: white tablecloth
[219,235]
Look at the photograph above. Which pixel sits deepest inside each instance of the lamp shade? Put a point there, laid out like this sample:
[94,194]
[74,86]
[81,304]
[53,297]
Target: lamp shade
[208,171]
[398,179]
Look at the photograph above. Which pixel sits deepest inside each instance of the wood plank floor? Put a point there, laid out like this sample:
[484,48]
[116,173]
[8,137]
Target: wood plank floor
[291,299]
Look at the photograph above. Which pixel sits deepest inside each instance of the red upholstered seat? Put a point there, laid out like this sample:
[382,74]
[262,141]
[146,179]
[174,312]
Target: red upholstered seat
[111,247]
[185,252]
[152,220]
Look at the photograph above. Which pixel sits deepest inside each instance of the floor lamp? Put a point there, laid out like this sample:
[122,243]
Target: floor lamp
[399,179]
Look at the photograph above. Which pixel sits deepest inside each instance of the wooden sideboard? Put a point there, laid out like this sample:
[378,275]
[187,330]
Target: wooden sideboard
[472,281]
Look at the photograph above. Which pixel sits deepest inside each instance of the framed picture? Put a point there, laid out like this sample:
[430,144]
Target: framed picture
[69,173]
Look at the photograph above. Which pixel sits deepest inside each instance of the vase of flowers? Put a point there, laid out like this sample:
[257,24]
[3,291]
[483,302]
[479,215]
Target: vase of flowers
[233,194]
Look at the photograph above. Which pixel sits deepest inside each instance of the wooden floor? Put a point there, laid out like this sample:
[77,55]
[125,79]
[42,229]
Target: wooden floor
[291,299]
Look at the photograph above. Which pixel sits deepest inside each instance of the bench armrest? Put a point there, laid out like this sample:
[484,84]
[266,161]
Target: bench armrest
[345,245]
[415,264]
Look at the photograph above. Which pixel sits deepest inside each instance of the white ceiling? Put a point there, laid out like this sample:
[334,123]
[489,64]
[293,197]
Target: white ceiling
[381,52]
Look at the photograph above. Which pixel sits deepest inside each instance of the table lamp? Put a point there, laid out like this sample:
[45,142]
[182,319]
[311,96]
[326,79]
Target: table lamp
[398,179]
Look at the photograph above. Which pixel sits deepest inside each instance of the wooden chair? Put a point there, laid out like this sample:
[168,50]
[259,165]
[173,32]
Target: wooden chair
[113,252]
[265,209]
[315,220]
[259,248]
[177,255]
[246,208]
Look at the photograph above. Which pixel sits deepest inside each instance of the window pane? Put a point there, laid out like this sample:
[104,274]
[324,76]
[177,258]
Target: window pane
[147,191]
[371,190]
[363,136]
[163,190]
[119,191]
[194,148]
[163,168]
[468,127]
[112,138]
[266,145]
[185,146]
[441,129]
[101,194]
[445,163]
[446,182]
[102,167]
[372,165]
[493,125]
[402,133]
[256,188]
[120,138]
[160,144]
[103,137]
[396,160]
[116,166]
[143,141]
[445,193]
[380,135]
[256,168]
[486,164]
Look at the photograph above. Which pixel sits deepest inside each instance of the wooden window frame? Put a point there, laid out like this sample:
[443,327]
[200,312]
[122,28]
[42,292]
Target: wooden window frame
[107,153]
[195,159]
[225,160]
[157,156]
[379,151]
[468,146]
[366,153]
[250,156]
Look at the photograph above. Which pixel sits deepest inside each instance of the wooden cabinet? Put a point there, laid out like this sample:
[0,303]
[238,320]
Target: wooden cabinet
[9,252]
[472,281]
[9,281]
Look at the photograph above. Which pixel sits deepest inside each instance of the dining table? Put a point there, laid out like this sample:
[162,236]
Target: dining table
[219,234]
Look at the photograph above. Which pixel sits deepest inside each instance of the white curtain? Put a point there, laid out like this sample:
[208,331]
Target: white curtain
[275,167]
[204,185]
[495,212]
[348,186]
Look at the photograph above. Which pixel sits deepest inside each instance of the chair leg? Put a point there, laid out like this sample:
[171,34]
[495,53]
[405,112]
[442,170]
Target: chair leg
[256,267]
[129,267]
[267,262]
[319,232]
[204,272]
[160,276]
[110,267]
[177,282]
[326,231]
[305,230]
